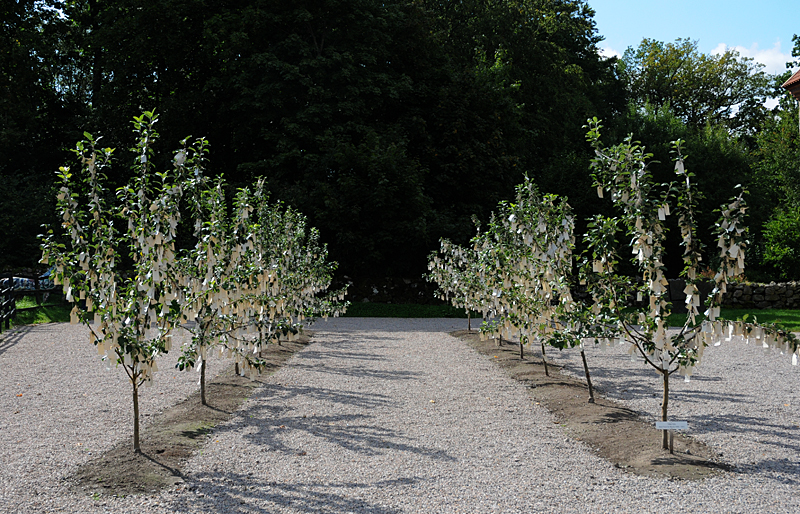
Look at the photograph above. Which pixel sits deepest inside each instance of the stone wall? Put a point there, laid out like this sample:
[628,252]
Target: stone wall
[746,295]
[783,295]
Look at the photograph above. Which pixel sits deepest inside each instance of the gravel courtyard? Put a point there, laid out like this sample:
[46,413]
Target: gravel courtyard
[391,416]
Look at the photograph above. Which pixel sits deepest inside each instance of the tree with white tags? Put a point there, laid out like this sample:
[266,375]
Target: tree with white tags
[622,172]
[122,282]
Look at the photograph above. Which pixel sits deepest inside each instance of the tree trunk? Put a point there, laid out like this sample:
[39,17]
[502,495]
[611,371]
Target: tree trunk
[521,350]
[469,323]
[203,382]
[544,360]
[236,368]
[135,380]
[664,404]
[588,378]
[204,327]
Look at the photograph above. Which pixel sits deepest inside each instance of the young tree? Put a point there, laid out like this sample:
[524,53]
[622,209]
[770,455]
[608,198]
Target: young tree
[208,277]
[532,245]
[253,276]
[457,273]
[519,271]
[121,280]
[622,172]
[289,273]
[535,234]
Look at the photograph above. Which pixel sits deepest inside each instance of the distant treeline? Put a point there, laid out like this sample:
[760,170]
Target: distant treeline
[388,124]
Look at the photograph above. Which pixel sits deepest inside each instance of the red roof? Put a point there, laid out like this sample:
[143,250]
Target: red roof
[793,80]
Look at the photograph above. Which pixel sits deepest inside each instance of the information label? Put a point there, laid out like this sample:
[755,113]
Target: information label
[672,425]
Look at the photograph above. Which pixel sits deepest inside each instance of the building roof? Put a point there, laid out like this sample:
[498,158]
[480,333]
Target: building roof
[793,85]
[794,80]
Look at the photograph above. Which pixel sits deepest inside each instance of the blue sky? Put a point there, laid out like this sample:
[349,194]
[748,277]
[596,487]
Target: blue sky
[762,30]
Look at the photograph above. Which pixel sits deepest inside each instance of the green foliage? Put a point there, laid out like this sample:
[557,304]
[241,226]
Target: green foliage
[777,168]
[253,275]
[719,90]
[363,114]
[519,271]
[795,52]
[260,270]
[776,180]
[720,160]
[782,242]
[622,171]
[89,253]
[36,104]
[643,206]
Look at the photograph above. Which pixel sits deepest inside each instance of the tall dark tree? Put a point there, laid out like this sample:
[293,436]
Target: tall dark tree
[40,96]
[388,123]
[543,55]
[550,61]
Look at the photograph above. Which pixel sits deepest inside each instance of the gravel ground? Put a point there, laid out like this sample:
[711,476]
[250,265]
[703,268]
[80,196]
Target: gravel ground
[391,415]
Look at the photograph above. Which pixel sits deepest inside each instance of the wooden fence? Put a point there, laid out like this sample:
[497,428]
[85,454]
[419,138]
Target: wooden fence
[8,302]
[9,293]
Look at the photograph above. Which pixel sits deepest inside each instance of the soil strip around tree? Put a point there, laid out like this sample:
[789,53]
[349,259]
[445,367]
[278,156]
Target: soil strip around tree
[175,434]
[608,428]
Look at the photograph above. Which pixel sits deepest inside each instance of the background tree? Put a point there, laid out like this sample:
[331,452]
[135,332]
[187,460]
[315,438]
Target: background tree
[40,95]
[720,90]
[776,176]
[361,114]
[544,55]
[364,115]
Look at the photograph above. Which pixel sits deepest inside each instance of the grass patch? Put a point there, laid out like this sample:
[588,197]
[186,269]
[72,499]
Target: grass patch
[788,318]
[49,312]
[403,310]
[24,302]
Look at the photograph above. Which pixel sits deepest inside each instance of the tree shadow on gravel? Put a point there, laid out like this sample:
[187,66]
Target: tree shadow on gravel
[775,469]
[358,371]
[172,436]
[11,338]
[637,383]
[785,438]
[267,426]
[236,493]
[323,356]
[609,429]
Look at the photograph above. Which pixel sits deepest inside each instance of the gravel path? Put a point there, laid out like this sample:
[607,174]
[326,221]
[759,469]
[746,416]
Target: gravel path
[386,415]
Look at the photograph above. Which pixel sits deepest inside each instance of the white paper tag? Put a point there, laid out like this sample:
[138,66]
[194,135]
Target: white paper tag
[672,425]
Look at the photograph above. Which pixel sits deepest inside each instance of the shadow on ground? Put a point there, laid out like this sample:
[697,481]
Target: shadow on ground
[609,429]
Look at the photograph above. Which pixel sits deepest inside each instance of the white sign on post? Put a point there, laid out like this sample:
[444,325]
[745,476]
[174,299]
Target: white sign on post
[672,425]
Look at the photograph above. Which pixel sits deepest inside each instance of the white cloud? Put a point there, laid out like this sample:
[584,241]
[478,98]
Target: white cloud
[608,52]
[773,59]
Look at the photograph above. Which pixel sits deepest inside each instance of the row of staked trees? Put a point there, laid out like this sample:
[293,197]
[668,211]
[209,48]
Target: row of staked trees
[520,272]
[255,271]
